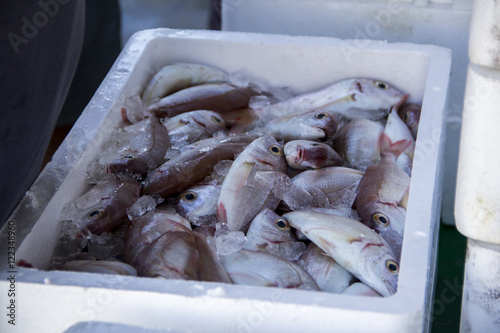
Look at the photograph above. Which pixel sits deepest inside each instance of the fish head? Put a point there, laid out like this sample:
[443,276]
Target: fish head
[271,227]
[305,154]
[410,115]
[199,203]
[323,120]
[379,268]
[389,222]
[268,152]
[378,95]
[210,120]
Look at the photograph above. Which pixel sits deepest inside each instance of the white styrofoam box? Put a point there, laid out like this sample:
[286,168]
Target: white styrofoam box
[480,302]
[484,41]
[59,300]
[443,23]
[477,209]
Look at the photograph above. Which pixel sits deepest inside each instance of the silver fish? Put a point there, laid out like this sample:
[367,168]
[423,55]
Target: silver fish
[311,125]
[198,203]
[172,78]
[268,232]
[397,130]
[328,274]
[327,187]
[184,255]
[354,98]
[143,148]
[358,143]
[382,189]
[143,230]
[99,266]
[194,163]
[103,207]
[357,248]
[410,114]
[264,269]
[192,126]
[360,289]
[305,154]
[242,197]
[217,97]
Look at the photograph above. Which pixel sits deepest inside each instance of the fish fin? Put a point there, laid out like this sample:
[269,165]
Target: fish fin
[393,148]
[403,203]
[221,213]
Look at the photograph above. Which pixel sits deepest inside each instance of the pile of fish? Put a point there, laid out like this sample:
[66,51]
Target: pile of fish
[211,179]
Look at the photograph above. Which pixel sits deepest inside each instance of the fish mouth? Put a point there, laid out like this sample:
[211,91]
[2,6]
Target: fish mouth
[299,158]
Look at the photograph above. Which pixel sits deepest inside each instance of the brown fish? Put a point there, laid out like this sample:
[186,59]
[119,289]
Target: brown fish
[103,207]
[383,187]
[144,148]
[193,164]
[217,97]
[184,255]
[143,230]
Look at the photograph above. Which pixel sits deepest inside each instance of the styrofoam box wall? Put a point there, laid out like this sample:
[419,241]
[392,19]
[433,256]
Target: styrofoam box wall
[439,22]
[62,299]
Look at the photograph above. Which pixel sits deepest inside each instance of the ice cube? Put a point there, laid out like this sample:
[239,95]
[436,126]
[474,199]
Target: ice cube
[143,205]
[227,241]
[134,109]
[289,250]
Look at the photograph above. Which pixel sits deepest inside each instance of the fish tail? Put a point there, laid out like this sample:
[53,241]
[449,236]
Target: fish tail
[393,148]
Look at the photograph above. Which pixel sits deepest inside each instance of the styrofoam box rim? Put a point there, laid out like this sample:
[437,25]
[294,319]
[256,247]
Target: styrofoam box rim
[407,309]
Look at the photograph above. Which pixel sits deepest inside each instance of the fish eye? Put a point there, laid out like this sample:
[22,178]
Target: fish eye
[392,266]
[381,85]
[276,150]
[129,157]
[406,115]
[216,119]
[381,219]
[189,196]
[315,144]
[320,115]
[282,224]
[96,213]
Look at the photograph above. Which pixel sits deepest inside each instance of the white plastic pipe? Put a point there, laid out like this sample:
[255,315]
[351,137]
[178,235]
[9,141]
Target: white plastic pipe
[484,43]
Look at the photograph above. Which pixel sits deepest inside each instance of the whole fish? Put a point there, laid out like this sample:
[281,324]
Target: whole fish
[383,187]
[217,97]
[193,164]
[410,114]
[264,269]
[198,203]
[358,143]
[99,266]
[141,146]
[397,130]
[305,154]
[103,207]
[143,230]
[242,196]
[360,289]
[268,232]
[184,255]
[328,274]
[172,78]
[311,125]
[357,248]
[327,187]
[354,98]
[192,126]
